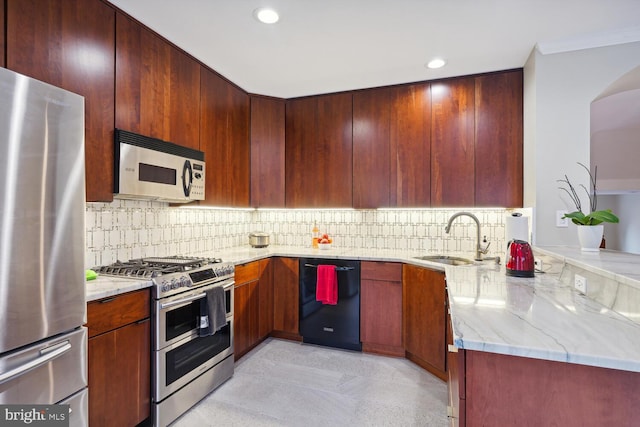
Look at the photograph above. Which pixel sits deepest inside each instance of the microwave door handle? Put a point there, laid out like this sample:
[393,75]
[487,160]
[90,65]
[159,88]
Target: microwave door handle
[46,355]
[187,179]
[182,301]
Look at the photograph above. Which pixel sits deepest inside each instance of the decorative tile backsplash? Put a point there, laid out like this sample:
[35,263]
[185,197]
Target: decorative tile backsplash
[127,229]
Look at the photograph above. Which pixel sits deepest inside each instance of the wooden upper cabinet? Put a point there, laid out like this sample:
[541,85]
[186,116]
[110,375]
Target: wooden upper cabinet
[318,151]
[452,143]
[410,146]
[267,152]
[224,135]
[157,86]
[70,44]
[371,151]
[499,139]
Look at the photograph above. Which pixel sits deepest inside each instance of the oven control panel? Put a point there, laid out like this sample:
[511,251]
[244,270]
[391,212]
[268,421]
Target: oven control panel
[170,284]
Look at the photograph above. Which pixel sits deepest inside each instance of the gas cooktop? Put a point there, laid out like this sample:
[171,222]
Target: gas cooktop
[149,268]
[174,274]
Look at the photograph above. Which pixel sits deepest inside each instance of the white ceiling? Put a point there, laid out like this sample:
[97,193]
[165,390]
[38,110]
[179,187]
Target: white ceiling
[335,45]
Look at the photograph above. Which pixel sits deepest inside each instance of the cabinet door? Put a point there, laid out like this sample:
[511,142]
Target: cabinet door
[267,152]
[70,44]
[424,318]
[157,86]
[245,317]
[286,295]
[499,139]
[371,151]
[318,151]
[452,143]
[265,296]
[379,296]
[381,292]
[224,132]
[410,146]
[119,376]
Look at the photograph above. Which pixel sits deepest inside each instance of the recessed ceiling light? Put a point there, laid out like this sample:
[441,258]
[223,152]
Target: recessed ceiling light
[436,63]
[266,16]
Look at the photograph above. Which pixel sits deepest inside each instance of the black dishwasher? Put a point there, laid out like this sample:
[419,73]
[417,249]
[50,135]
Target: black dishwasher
[331,325]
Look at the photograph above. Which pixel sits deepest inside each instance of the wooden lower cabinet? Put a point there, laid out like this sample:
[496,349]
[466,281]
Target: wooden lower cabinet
[245,317]
[424,318]
[253,305]
[265,299]
[286,290]
[381,308]
[119,359]
[502,390]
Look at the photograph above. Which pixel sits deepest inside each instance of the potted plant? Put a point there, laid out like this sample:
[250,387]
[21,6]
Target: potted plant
[590,228]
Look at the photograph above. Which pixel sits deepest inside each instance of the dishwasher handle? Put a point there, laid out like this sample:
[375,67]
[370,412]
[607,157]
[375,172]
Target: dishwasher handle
[337,268]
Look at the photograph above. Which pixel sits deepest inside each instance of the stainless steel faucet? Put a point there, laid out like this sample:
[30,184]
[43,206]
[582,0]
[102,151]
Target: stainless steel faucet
[479,250]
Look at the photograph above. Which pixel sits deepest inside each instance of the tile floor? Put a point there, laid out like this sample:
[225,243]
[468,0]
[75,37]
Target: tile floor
[285,383]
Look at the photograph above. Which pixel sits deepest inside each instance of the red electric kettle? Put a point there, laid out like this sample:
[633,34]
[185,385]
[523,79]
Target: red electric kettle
[519,259]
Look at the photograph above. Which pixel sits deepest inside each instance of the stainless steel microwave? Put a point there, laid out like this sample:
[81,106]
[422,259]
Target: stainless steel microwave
[152,169]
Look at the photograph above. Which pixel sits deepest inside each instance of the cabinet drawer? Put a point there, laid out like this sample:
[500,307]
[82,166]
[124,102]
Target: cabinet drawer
[113,312]
[247,272]
[388,271]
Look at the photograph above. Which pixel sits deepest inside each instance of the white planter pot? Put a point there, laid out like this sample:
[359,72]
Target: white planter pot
[590,237]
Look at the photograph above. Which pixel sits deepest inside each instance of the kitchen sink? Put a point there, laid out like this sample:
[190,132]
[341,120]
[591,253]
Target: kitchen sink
[445,259]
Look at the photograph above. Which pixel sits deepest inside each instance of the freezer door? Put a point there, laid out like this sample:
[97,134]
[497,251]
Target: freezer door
[42,207]
[78,408]
[47,372]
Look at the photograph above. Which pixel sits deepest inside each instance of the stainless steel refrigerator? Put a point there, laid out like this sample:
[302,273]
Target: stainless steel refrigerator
[43,345]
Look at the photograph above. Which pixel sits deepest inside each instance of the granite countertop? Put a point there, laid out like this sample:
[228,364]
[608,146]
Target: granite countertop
[542,317]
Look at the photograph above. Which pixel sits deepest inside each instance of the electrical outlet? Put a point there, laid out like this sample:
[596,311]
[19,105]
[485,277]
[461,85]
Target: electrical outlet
[538,264]
[560,221]
[580,284]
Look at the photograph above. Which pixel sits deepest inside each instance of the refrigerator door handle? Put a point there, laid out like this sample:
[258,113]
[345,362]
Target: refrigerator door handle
[46,355]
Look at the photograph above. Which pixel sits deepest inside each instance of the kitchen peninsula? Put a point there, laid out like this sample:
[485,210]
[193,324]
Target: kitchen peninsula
[533,348]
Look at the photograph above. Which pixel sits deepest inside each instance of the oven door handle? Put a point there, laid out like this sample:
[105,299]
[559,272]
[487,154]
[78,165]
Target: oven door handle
[182,301]
[225,286]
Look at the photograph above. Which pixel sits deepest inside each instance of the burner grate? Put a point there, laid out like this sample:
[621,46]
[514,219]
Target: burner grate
[154,266]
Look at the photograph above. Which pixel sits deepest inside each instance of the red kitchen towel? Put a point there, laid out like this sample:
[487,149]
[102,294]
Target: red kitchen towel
[327,285]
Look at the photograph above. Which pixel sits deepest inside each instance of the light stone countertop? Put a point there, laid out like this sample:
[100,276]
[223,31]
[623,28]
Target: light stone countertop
[105,286]
[542,317]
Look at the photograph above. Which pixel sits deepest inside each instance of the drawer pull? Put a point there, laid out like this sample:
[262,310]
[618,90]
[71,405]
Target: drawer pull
[106,300]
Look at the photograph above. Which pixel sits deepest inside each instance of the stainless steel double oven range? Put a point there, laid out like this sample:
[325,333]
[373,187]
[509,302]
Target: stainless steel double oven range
[186,366]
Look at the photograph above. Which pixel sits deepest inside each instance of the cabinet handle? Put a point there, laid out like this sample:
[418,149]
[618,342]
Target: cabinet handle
[140,322]
[103,301]
[452,348]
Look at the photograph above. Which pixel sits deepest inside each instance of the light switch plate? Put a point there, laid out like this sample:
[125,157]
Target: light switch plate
[561,222]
